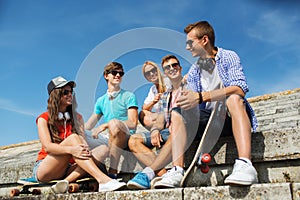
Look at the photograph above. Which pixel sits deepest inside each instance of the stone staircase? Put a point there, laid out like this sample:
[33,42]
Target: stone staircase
[275,155]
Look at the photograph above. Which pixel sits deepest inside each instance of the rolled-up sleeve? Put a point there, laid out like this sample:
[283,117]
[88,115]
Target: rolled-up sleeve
[231,71]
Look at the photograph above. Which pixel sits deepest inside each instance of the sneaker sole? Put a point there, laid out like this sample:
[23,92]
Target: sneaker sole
[155,180]
[239,183]
[135,186]
[158,185]
[119,187]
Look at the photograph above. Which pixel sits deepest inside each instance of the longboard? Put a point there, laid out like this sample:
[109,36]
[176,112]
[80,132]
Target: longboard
[34,188]
[209,138]
[29,187]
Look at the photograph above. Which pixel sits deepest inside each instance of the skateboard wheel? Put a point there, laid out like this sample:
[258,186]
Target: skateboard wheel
[204,169]
[73,187]
[36,192]
[206,158]
[14,192]
[93,187]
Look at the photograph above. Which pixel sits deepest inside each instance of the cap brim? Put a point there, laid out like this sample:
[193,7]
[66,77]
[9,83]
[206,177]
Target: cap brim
[71,83]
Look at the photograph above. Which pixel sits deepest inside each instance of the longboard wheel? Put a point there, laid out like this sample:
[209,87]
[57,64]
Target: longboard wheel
[206,158]
[73,187]
[93,187]
[36,192]
[204,169]
[14,192]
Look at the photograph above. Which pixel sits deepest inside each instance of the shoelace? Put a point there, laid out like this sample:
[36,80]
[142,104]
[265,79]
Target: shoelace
[170,172]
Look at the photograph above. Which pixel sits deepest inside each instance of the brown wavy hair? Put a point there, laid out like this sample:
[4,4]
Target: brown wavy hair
[53,122]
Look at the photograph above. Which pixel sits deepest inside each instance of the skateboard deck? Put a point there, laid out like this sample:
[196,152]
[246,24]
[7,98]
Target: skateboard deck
[209,138]
[29,187]
[34,188]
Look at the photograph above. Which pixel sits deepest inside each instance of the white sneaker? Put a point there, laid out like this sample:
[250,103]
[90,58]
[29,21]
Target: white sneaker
[111,186]
[243,173]
[60,187]
[171,179]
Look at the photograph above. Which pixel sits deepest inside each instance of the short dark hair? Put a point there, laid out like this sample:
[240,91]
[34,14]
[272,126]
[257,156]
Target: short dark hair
[168,57]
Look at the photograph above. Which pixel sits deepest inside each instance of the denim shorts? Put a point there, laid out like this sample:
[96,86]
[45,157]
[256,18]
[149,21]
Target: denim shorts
[147,137]
[36,166]
[101,140]
[196,121]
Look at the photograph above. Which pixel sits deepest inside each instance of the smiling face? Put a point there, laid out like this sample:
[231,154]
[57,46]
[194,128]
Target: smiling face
[67,96]
[114,77]
[151,74]
[172,69]
[113,73]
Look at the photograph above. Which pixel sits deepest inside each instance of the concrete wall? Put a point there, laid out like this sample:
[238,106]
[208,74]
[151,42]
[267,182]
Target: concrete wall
[275,151]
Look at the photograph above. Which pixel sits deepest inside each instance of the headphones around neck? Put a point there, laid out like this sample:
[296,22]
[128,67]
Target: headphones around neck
[113,94]
[206,64]
[64,116]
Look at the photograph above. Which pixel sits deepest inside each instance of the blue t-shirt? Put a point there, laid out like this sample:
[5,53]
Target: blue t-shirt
[116,108]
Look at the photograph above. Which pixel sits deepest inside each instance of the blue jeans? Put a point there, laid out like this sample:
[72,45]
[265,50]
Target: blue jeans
[147,137]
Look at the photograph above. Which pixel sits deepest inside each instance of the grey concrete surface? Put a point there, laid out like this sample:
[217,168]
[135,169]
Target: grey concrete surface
[275,152]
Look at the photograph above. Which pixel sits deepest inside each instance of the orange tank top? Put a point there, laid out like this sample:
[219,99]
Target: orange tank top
[43,153]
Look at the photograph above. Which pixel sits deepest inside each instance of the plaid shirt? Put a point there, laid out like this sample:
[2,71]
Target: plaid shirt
[231,73]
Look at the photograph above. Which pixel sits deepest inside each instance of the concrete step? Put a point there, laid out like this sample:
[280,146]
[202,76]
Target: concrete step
[278,110]
[275,155]
[274,191]
[275,152]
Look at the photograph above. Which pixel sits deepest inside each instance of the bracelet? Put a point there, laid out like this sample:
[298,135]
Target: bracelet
[154,129]
[200,97]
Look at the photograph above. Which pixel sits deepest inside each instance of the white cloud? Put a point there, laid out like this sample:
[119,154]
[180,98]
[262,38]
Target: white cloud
[276,27]
[9,106]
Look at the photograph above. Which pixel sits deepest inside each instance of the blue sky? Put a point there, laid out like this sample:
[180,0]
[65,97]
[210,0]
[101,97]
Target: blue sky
[41,39]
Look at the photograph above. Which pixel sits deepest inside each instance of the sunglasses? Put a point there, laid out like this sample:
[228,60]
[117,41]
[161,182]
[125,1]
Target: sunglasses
[153,71]
[173,65]
[114,73]
[66,92]
[189,43]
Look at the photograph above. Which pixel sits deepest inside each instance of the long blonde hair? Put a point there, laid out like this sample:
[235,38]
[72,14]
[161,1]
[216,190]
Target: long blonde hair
[161,87]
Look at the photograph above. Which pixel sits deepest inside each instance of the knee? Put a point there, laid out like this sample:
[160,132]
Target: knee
[75,138]
[134,141]
[147,118]
[176,118]
[234,101]
[114,127]
[141,116]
